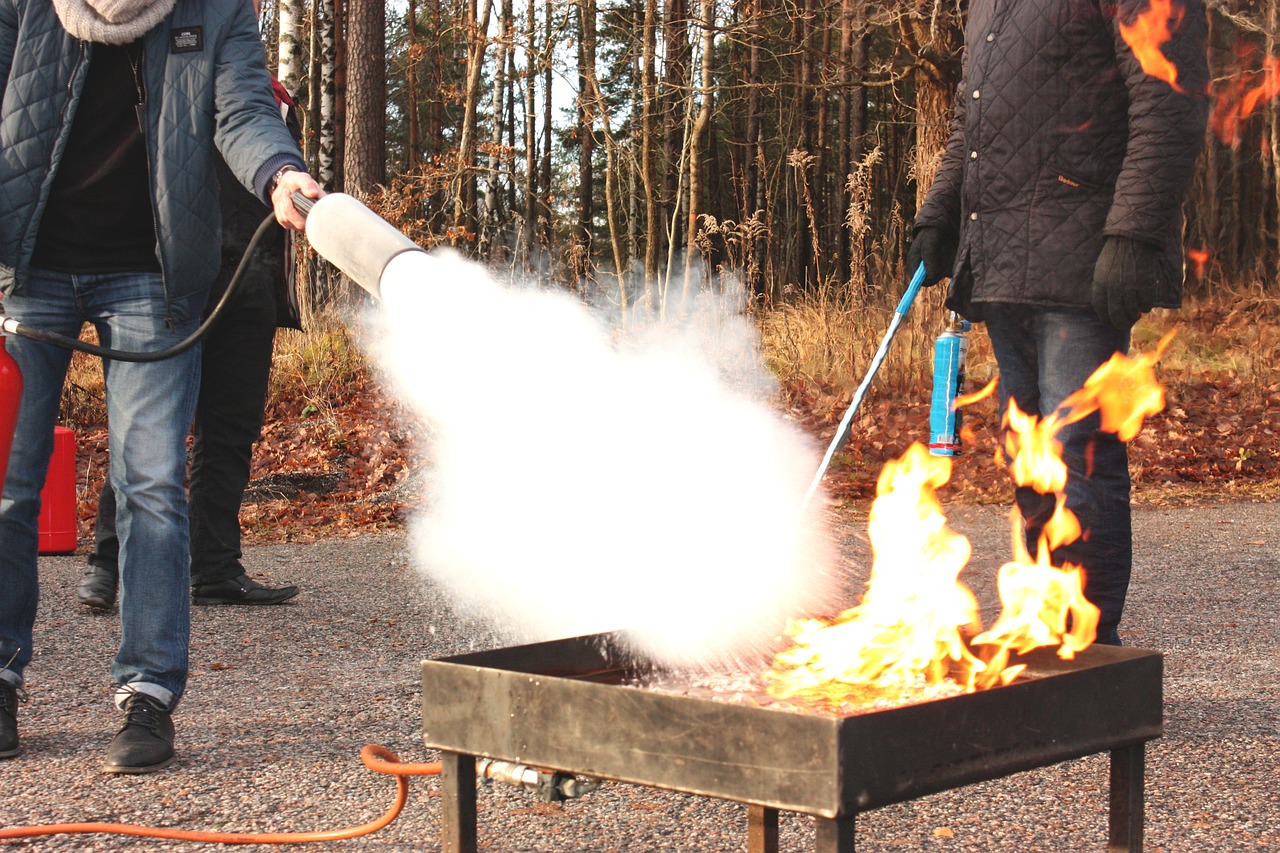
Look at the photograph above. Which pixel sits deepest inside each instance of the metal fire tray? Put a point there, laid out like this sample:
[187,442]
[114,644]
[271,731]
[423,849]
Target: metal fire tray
[561,705]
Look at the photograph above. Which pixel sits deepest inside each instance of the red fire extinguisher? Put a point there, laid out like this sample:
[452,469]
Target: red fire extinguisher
[10,395]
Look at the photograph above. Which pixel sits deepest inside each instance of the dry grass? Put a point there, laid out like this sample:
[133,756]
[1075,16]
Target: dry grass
[1233,335]
[312,371]
[84,398]
[316,368]
[828,343]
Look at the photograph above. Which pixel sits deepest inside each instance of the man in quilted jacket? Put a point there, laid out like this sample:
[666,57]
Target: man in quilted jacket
[1056,213]
[112,113]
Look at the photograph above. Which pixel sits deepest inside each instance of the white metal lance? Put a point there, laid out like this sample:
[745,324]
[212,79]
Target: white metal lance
[899,314]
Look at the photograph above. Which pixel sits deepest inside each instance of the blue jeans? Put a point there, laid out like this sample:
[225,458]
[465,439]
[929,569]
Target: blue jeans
[1043,357]
[149,410]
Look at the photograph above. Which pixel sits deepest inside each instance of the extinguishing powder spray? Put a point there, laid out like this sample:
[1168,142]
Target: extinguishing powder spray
[949,353]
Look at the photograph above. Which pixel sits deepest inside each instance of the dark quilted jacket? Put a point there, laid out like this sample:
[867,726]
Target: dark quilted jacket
[206,82]
[1059,139]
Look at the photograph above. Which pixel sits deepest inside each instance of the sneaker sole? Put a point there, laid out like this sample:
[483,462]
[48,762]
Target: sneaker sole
[97,603]
[10,753]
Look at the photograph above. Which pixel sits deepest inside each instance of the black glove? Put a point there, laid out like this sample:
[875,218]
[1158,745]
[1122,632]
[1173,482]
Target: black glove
[1124,281]
[935,250]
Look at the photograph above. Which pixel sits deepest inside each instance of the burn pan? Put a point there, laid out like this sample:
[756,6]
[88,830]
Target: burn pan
[563,705]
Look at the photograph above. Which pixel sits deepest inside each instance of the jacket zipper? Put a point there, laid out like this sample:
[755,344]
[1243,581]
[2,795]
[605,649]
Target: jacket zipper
[139,81]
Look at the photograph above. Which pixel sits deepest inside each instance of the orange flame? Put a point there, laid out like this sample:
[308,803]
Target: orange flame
[1042,606]
[1150,30]
[981,394]
[1199,259]
[912,625]
[1239,97]
[907,626]
[1125,390]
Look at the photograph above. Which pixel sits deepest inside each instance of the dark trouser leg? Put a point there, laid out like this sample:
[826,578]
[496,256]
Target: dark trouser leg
[106,547]
[233,391]
[1043,357]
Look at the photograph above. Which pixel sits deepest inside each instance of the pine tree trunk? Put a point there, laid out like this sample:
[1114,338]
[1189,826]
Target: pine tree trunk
[648,153]
[939,33]
[464,199]
[530,139]
[587,109]
[414,153]
[706,16]
[338,29]
[365,156]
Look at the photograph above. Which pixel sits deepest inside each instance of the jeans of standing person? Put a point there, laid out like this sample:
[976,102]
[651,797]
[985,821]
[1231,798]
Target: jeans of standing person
[235,367]
[149,407]
[1044,355]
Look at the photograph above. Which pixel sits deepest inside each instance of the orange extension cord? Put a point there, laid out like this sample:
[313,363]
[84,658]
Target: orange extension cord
[377,758]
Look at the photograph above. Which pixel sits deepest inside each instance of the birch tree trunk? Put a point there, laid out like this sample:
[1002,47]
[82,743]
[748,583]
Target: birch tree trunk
[292,17]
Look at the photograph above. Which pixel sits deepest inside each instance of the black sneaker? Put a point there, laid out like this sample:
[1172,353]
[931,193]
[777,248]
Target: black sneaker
[240,590]
[98,588]
[9,695]
[144,743]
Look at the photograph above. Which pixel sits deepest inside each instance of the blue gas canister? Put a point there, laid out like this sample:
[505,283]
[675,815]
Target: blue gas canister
[949,353]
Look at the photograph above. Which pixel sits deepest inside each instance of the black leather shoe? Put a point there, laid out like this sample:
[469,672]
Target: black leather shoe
[240,590]
[9,746]
[98,588]
[144,743]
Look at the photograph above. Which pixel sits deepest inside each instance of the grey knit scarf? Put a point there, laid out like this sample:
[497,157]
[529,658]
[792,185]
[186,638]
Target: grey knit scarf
[111,21]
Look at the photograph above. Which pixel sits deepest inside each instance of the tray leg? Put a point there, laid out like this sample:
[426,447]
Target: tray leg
[1127,786]
[835,835]
[458,795]
[762,829]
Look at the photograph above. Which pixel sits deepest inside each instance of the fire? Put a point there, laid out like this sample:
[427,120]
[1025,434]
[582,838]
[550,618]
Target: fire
[1150,30]
[1234,99]
[1240,96]
[981,394]
[917,624]
[1199,259]
[907,629]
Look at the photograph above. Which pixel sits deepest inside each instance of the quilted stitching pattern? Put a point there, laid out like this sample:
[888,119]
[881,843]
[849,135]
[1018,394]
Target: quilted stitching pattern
[1059,138]
[220,93]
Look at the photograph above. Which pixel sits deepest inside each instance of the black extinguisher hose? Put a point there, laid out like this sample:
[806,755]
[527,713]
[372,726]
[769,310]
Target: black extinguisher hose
[13,327]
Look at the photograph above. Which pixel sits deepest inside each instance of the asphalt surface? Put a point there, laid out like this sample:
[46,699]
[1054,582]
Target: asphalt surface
[283,698]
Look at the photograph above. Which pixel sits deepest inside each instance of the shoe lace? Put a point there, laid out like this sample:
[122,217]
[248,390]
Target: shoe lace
[10,696]
[143,711]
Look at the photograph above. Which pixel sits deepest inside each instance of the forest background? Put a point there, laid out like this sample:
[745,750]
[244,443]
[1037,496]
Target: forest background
[633,151]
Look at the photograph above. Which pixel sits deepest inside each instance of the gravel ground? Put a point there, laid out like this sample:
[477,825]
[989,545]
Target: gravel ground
[282,699]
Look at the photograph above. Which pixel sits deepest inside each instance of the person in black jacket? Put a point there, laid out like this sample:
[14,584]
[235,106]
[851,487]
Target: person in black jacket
[1056,213]
[235,366]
